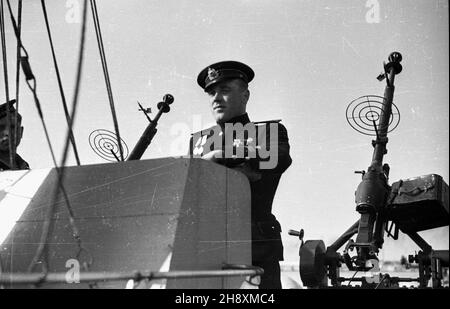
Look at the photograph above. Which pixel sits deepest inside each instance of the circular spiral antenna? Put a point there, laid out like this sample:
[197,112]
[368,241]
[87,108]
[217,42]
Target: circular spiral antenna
[364,113]
[104,143]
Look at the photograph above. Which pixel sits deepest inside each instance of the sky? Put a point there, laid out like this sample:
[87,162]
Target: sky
[311,59]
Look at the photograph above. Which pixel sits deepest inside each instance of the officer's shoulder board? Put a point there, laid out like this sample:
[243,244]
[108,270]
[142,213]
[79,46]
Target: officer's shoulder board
[206,131]
[266,122]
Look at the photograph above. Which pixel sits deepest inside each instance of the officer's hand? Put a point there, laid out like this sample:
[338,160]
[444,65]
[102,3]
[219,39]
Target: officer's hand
[213,156]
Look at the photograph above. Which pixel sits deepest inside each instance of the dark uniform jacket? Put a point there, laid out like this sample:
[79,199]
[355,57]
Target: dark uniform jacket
[20,163]
[266,230]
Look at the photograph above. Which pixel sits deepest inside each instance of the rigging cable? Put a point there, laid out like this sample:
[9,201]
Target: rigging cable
[30,80]
[16,112]
[5,72]
[58,76]
[75,231]
[105,72]
[41,251]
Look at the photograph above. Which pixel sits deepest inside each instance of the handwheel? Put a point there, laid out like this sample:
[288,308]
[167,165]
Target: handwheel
[312,263]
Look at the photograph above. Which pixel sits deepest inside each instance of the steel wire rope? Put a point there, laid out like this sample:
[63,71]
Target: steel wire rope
[5,73]
[75,230]
[42,249]
[58,76]
[105,72]
[19,30]
[30,77]
[28,74]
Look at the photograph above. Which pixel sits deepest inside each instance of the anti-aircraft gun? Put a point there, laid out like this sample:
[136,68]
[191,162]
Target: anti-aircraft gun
[410,206]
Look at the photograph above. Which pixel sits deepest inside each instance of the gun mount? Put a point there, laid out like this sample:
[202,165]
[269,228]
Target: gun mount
[410,205]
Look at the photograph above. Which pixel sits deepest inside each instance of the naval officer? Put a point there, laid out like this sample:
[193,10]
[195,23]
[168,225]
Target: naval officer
[261,152]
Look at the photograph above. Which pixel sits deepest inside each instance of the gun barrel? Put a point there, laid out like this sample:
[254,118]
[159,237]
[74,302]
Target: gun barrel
[383,124]
[143,142]
[150,131]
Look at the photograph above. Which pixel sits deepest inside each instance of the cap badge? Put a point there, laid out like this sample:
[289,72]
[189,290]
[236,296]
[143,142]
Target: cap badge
[212,73]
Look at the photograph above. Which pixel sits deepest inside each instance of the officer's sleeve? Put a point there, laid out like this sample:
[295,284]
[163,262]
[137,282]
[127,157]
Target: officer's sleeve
[284,157]
[277,144]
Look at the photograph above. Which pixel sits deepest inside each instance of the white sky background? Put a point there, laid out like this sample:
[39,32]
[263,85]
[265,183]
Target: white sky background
[311,59]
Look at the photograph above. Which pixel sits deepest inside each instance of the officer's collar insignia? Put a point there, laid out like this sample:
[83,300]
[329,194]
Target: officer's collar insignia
[212,73]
